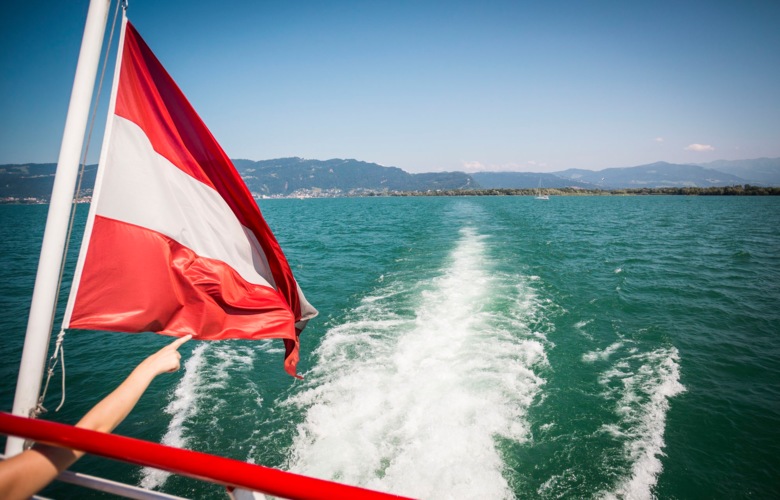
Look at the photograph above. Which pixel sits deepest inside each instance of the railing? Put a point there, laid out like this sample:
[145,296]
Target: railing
[108,486]
[217,470]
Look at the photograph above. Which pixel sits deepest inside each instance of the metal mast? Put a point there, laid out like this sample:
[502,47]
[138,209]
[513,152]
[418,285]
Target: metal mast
[41,319]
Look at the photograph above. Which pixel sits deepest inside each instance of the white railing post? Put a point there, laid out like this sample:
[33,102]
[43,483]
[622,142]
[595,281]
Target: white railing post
[39,324]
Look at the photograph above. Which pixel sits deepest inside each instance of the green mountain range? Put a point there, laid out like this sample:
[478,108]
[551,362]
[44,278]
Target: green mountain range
[291,176]
[288,175]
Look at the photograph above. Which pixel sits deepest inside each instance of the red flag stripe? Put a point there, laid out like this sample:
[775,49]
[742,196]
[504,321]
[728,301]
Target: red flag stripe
[174,291]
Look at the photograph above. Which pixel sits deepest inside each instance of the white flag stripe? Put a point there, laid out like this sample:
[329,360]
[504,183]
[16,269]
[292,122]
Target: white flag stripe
[145,189]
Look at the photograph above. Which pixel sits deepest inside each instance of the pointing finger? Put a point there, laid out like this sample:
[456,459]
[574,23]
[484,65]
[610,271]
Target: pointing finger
[178,342]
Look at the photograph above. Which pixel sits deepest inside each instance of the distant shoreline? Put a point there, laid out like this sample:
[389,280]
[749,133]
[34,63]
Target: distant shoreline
[746,190]
[738,190]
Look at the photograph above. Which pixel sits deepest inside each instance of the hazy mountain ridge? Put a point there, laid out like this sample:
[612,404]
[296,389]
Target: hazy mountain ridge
[659,174]
[760,172]
[35,180]
[286,176]
[526,180]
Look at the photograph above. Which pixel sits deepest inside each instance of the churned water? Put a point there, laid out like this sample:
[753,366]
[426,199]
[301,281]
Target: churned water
[584,347]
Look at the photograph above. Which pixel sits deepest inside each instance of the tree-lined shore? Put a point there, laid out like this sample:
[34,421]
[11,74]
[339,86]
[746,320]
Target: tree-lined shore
[743,190]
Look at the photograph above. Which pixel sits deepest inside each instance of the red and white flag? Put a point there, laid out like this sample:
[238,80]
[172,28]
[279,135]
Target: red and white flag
[175,243]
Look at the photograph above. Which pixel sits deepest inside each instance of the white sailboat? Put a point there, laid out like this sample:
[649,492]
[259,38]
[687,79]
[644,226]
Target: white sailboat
[539,195]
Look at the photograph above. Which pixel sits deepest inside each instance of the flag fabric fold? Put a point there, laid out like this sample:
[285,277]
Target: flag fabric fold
[174,242]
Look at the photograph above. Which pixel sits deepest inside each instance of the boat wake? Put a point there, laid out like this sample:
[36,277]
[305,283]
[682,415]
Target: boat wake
[181,408]
[412,392]
[203,393]
[640,386]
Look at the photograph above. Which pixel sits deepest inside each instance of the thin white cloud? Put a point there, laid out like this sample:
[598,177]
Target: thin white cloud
[659,139]
[699,148]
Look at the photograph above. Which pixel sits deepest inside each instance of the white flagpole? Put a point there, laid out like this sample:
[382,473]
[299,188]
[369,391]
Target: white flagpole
[39,324]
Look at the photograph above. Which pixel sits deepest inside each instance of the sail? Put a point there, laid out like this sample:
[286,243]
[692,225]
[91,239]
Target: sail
[174,242]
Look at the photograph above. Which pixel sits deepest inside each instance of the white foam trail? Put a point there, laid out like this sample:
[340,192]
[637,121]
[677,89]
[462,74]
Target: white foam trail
[206,372]
[643,405]
[580,328]
[413,405]
[601,355]
[182,407]
[582,324]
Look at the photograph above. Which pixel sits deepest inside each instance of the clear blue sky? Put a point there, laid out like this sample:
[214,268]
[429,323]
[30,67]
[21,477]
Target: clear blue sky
[431,85]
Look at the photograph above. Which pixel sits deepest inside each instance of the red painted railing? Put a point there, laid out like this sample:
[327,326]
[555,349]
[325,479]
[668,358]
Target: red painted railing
[197,465]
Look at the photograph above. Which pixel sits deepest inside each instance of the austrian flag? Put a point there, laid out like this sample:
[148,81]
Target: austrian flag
[174,242]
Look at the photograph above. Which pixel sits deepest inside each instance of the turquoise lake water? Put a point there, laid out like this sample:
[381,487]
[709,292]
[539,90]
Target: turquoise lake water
[497,347]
